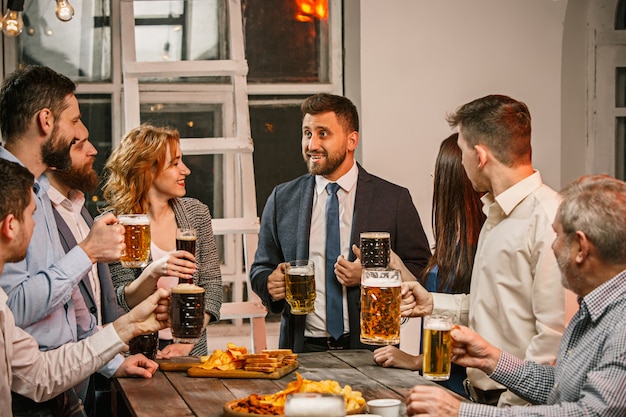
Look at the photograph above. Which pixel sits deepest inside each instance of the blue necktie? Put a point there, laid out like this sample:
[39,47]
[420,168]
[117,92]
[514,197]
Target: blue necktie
[334,297]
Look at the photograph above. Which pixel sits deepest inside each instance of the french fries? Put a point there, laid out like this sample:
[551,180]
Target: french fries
[273,404]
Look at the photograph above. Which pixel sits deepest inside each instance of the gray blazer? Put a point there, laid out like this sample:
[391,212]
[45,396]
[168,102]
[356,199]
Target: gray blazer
[284,236]
[108,302]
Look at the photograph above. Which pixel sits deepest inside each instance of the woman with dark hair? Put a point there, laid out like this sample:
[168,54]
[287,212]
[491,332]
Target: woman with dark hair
[457,219]
[146,174]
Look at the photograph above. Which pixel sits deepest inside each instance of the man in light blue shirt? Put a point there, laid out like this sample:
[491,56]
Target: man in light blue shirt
[40,121]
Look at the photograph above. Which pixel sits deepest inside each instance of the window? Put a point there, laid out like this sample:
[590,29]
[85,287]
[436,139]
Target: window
[293,49]
[608,133]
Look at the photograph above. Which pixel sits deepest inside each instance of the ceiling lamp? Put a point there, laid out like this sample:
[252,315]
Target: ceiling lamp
[12,23]
[64,10]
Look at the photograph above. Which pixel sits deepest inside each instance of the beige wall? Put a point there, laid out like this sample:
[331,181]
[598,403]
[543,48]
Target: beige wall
[420,59]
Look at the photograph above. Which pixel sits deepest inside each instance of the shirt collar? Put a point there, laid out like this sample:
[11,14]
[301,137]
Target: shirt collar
[598,300]
[75,201]
[347,182]
[512,196]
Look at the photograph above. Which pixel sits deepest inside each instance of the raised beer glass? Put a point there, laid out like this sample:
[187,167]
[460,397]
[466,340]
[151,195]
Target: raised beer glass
[300,286]
[436,347]
[186,240]
[380,307]
[187,312]
[137,239]
[375,250]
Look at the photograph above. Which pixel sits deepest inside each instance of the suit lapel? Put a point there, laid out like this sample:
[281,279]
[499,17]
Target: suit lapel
[304,218]
[68,242]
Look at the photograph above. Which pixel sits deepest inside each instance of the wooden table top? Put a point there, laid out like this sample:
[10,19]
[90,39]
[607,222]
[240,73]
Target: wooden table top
[175,394]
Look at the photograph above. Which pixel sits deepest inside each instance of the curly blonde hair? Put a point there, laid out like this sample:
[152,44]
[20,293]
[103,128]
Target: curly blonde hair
[139,158]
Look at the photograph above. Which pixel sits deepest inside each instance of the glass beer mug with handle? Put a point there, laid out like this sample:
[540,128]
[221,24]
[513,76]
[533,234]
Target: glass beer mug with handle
[137,240]
[380,307]
[300,286]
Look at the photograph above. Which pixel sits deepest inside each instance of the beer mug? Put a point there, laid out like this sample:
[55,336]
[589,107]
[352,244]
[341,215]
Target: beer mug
[380,307]
[187,312]
[137,239]
[375,250]
[300,286]
[148,344]
[436,347]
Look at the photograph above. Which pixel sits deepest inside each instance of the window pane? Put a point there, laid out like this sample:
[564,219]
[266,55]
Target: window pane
[201,120]
[180,30]
[96,115]
[195,121]
[276,130]
[620,148]
[79,49]
[620,87]
[287,42]
[620,16]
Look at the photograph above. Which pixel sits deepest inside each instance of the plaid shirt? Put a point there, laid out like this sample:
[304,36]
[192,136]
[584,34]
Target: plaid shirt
[589,378]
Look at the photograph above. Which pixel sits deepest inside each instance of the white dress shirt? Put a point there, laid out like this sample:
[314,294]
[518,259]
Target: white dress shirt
[70,210]
[516,300]
[316,322]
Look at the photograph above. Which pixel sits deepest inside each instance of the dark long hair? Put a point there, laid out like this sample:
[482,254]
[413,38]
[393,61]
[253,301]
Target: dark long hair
[457,219]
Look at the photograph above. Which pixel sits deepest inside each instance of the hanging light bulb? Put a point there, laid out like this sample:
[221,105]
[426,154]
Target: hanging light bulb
[64,10]
[12,23]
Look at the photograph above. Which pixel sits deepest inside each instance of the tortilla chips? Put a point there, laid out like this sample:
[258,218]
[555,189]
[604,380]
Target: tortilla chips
[273,404]
[231,358]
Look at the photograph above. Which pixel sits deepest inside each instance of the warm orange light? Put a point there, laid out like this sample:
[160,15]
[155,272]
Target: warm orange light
[311,9]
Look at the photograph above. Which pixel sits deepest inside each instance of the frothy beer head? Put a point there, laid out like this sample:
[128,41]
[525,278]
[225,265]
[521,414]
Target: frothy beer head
[440,323]
[186,288]
[133,219]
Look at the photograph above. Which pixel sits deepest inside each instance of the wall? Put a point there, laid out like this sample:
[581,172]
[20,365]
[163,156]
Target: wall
[419,60]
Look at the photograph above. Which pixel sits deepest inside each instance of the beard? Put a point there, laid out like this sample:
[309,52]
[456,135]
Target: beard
[332,162]
[83,178]
[55,154]
[571,278]
[22,245]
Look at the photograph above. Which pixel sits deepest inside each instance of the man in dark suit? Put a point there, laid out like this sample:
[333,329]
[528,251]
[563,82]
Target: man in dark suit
[66,192]
[293,226]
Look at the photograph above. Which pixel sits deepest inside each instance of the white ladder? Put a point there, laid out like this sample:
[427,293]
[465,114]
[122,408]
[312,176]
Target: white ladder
[240,217]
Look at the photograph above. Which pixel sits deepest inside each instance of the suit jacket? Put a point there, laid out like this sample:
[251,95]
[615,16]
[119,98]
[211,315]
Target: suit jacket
[285,228]
[108,302]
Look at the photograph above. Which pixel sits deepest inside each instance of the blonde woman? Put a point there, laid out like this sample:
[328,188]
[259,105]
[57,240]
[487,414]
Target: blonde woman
[146,174]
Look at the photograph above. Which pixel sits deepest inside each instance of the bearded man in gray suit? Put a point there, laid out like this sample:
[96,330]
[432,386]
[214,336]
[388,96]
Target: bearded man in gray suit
[66,192]
[294,219]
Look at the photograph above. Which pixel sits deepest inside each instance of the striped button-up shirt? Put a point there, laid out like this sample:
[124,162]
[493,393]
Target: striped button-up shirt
[589,378]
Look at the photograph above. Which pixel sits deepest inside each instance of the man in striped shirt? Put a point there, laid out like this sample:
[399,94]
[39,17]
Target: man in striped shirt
[589,378]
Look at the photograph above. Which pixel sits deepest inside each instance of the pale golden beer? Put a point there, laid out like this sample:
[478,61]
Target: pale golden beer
[300,286]
[436,348]
[380,307]
[137,239]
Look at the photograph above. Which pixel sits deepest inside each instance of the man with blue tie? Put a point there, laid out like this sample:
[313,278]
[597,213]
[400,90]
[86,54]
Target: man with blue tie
[320,216]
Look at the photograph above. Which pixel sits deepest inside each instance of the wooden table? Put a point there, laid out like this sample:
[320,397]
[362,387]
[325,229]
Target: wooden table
[174,394]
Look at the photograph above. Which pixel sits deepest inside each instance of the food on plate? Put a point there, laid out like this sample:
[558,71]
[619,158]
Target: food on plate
[273,404]
[237,357]
[231,358]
